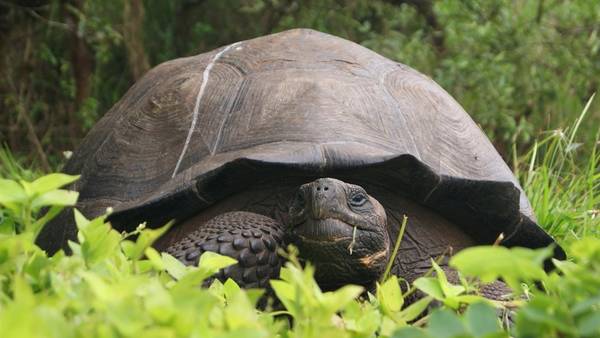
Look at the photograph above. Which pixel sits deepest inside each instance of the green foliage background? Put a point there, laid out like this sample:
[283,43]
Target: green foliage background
[518,67]
[525,70]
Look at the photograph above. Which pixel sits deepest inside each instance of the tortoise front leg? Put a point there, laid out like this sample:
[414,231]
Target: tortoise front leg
[250,238]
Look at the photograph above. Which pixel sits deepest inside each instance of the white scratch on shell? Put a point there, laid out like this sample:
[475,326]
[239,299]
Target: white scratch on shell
[205,75]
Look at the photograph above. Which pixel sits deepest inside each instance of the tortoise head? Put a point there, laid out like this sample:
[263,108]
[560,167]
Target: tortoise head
[342,230]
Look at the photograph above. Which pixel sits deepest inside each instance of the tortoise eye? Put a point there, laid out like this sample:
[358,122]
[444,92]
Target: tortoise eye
[358,200]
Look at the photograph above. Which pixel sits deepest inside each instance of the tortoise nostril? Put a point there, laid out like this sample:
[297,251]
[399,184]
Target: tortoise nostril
[322,189]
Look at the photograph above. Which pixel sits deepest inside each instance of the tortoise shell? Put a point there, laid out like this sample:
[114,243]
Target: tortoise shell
[197,129]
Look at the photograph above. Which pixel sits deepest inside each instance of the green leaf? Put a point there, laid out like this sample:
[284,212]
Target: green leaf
[448,289]
[173,266]
[48,216]
[586,305]
[51,182]
[415,309]
[445,324]
[239,313]
[55,197]
[492,262]
[481,319]
[430,286]
[212,262]
[230,288]
[154,257]
[254,295]
[80,220]
[286,293]
[98,240]
[7,223]
[11,192]
[410,332]
[389,295]
[589,325]
[135,250]
[338,299]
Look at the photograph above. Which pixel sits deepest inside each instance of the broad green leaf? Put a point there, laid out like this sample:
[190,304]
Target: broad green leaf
[97,239]
[389,295]
[11,192]
[158,301]
[410,332]
[430,286]
[173,266]
[286,293]
[482,319]
[589,325]
[240,313]
[212,262]
[22,291]
[80,220]
[470,299]
[7,223]
[36,265]
[135,250]
[361,318]
[101,288]
[51,182]
[55,197]
[230,288]
[388,326]
[338,299]
[48,216]
[154,257]
[415,309]
[218,289]
[492,262]
[444,323]
[129,320]
[255,295]
[209,264]
[591,304]
[542,310]
[448,289]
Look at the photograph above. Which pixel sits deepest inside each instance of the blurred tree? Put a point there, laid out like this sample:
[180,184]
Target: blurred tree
[82,61]
[133,21]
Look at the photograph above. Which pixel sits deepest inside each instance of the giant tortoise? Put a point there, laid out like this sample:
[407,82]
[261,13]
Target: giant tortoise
[298,137]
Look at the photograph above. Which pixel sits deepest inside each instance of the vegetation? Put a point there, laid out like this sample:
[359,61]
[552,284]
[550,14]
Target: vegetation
[522,69]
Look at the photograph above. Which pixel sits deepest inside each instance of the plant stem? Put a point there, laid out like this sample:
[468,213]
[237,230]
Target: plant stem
[396,247]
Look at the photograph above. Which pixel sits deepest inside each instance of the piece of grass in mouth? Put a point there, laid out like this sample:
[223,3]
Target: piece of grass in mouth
[351,246]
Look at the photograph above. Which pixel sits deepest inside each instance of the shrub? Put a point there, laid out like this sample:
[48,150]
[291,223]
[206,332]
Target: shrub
[117,285]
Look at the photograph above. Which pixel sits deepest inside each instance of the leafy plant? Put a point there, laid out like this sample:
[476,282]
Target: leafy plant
[23,201]
[110,285]
[478,321]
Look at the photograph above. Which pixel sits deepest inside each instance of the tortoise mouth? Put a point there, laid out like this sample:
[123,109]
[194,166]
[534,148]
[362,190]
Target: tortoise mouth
[323,230]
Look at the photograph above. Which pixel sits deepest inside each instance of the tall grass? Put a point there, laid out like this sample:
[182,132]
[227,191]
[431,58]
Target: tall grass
[562,180]
[11,168]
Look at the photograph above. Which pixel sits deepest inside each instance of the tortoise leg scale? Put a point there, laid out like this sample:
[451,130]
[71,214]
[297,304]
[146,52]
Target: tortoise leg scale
[250,238]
